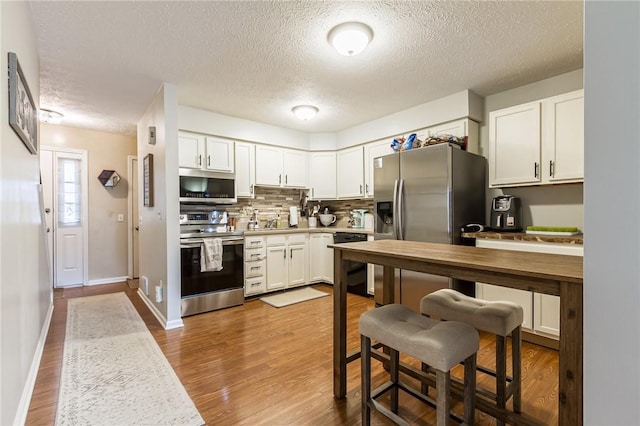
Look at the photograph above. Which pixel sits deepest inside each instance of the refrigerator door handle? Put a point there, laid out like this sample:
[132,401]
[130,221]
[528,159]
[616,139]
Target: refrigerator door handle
[400,210]
[395,210]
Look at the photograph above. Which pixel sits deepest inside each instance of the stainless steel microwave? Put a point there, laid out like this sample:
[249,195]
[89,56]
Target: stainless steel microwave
[200,186]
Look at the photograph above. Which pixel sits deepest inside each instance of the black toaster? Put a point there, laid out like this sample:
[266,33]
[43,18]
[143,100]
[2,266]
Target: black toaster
[506,214]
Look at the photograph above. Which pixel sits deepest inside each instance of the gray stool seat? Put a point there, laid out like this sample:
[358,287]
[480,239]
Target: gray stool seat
[441,344]
[499,318]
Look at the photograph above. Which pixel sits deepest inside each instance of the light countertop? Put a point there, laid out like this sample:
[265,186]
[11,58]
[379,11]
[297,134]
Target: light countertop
[318,230]
[521,236]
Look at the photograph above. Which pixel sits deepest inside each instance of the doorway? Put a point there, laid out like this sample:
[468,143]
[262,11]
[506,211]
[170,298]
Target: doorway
[134,221]
[64,180]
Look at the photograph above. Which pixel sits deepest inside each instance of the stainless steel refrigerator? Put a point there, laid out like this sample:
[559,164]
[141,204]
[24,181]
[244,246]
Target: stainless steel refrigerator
[426,194]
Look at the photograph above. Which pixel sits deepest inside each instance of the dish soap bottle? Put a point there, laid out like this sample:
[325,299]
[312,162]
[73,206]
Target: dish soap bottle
[278,223]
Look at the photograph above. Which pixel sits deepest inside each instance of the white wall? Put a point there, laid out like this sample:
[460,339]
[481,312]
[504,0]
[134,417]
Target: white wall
[25,290]
[612,208]
[108,252]
[159,226]
[546,205]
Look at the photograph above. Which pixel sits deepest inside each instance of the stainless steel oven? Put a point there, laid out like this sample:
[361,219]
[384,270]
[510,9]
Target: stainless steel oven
[209,290]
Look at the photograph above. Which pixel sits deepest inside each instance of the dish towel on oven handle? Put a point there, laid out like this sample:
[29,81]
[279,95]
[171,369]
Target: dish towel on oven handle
[211,255]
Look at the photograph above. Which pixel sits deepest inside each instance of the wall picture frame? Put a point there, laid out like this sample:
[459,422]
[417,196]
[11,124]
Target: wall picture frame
[23,114]
[147,179]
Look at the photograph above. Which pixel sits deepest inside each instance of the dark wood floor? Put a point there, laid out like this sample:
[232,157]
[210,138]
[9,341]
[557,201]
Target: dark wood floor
[256,364]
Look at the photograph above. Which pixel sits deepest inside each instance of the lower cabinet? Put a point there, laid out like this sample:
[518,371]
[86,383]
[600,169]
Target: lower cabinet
[287,261]
[255,267]
[541,311]
[320,258]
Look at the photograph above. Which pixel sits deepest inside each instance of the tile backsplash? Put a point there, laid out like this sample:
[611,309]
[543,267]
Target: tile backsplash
[273,201]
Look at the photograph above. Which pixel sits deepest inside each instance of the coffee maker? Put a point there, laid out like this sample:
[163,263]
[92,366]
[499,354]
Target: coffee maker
[506,214]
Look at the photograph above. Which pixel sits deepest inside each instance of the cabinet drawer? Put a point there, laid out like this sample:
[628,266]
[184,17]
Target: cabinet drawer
[276,240]
[254,269]
[253,242]
[297,239]
[254,286]
[253,254]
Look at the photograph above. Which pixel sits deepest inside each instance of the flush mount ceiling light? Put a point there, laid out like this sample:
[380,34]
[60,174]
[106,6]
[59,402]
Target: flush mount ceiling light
[305,112]
[51,117]
[350,38]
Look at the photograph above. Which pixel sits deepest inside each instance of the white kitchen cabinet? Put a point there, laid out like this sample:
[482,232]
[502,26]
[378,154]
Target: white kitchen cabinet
[255,267]
[563,137]
[245,169]
[351,172]
[322,176]
[539,142]
[514,145]
[371,151]
[541,311]
[190,150]
[281,167]
[320,258]
[203,152]
[287,261]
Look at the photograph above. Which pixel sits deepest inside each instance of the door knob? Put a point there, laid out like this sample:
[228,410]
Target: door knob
[48,229]
[47,210]
[137,228]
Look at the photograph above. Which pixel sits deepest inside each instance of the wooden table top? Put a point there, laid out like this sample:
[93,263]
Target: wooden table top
[541,266]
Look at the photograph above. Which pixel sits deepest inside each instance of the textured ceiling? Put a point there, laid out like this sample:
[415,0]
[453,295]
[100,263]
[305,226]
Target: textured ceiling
[103,61]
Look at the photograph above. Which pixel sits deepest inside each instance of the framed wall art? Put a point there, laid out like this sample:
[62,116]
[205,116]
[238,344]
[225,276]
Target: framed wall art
[147,179]
[23,115]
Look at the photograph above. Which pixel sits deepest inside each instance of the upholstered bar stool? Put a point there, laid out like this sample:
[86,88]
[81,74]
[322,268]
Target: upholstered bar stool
[499,318]
[441,344]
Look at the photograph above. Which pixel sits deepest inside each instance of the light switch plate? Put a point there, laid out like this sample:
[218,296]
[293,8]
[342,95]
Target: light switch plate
[120,217]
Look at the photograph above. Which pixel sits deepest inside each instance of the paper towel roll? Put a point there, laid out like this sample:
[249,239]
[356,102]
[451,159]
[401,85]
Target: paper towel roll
[293,216]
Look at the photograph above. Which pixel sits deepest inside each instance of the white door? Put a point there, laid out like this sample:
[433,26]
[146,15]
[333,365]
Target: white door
[322,175]
[46,175]
[70,218]
[268,165]
[219,154]
[190,150]
[298,261]
[134,219]
[276,267]
[350,173]
[371,151]
[296,168]
[564,137]
[245,169]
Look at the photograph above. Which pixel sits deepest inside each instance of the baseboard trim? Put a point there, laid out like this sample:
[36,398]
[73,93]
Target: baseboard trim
[167,325]
[27,391]
[108,280]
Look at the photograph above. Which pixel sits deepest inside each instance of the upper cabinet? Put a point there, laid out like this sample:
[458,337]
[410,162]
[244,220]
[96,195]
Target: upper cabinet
[540,142]
[245,169]
[197,151]
[351,172]
[322,176]
[281,167]
[371,151]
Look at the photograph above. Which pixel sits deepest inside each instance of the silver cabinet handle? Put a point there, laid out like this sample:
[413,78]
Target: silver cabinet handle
[290,254]
[535,169]
[200,160]
[286,179]
[279,179]
[360,189]
[251,189]
[366,187]
[284,253]
[551,172]
[208,161]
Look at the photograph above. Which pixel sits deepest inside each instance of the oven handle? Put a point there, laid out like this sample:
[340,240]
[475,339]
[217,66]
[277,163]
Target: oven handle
[198,243]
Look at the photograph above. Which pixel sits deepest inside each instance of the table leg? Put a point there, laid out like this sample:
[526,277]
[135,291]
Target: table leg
[571,343]
[339,326]
[388,284]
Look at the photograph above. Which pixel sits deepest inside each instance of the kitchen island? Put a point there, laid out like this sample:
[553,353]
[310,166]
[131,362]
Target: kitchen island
[540,272]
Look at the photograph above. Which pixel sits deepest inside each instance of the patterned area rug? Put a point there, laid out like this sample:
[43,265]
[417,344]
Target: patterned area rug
[113,371]
[291,297]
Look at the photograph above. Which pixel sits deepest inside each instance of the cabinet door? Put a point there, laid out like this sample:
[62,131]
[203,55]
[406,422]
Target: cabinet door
[371,151]
[455,128]
[254,286]
[546,314]
[245,169]
[563,141]
[220,155]
[190,150]
[514,145]
[350,173]
[268,165]
[276,267]
[322,175]
[316,257]
[298,261]
[295,168]
[328,258]
[521,297]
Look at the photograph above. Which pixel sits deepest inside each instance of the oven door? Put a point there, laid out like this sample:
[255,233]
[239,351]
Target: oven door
[229,277]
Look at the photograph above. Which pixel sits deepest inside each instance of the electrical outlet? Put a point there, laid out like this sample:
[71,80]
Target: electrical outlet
[159,292]
[144,282]
[120,217]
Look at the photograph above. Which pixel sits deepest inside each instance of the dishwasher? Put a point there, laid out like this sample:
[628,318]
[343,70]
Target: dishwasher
[356,271]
